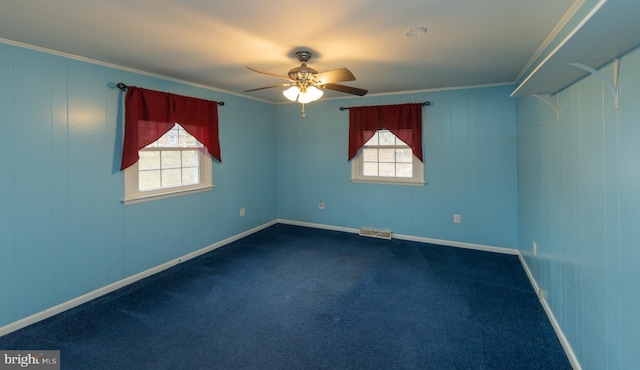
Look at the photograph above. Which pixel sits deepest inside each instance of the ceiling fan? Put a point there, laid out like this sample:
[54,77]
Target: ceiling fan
[305,84]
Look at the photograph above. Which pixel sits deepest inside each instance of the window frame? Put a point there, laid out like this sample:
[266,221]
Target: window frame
[357,167]
[133,195]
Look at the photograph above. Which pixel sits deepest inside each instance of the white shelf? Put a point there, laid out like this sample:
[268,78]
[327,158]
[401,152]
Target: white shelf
[610,32]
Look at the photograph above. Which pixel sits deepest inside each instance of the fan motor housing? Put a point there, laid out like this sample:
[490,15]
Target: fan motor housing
[302,72]
[303,55]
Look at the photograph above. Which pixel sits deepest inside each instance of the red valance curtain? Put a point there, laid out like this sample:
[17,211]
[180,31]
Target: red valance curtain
[150,114]
[403,120]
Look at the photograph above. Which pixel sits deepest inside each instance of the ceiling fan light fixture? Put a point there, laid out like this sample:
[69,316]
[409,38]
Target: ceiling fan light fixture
[314,93]
[291,93]
[306,85]
[304,98]
[309,94]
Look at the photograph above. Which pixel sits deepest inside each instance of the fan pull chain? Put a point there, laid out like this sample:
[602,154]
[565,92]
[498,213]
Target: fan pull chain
[303,114]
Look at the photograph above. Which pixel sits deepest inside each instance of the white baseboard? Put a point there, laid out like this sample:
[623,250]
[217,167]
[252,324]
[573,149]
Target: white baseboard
[556,326]
[122,283]
[446,243]
[449,243]
[319,226]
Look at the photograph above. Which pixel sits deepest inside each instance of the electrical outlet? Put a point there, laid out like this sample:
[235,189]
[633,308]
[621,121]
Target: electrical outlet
[321,205]
[535,248]
[241,212]
[456,219]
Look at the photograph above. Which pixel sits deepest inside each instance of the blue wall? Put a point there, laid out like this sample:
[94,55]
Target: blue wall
[579,199]
[63,229]
[470,169]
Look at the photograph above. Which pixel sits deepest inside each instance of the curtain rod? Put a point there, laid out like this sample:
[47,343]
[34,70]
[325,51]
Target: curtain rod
[425,104]
[123,87]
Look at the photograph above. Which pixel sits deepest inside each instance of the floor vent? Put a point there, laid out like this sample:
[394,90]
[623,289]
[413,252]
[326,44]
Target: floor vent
[373,233]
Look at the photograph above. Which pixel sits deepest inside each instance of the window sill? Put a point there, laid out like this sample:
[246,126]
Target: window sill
[389,182]
[168,194]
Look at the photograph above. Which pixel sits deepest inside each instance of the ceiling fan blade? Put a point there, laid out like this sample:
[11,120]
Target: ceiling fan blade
[346,89]
[268,87]
[336,75]
[269,73]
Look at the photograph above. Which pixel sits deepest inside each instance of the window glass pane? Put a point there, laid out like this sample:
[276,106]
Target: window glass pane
[387,155]
[404,155]
[149,160]
[148,180]
[173,139]
[169,139]
[170,159]
[188,141]
[386,137]
[387,169]
[182,137]
[190,176]
[404,170]
[171,178]
[189,158]
[177,137]
[370,169]
[370,155]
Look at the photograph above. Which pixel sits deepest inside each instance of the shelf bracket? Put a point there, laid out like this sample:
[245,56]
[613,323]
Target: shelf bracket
[555,107]
[612,85]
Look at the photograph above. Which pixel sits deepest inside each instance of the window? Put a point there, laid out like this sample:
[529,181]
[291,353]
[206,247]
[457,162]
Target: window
[172,165]
[386,158]
[385,144]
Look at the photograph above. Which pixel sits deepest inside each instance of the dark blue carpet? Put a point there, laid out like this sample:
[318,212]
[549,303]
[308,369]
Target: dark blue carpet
[291,297]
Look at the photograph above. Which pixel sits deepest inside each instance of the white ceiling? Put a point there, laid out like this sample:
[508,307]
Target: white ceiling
[469,42]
